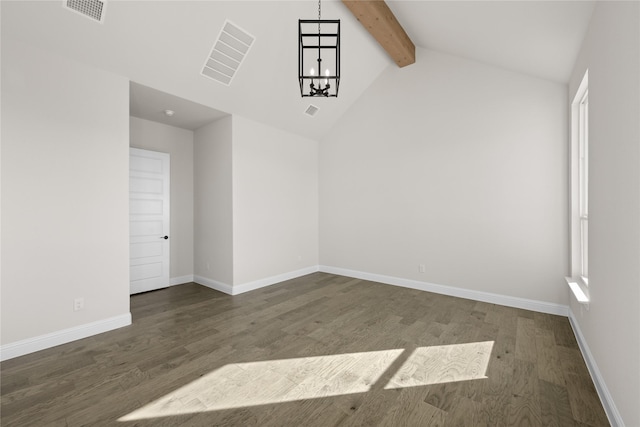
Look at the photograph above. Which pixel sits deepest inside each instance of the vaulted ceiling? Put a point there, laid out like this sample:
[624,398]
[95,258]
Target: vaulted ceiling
[161,46]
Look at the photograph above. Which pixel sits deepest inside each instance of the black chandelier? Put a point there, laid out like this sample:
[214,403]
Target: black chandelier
[319,56]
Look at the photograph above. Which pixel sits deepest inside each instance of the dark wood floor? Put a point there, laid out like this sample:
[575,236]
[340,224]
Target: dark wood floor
[320,350]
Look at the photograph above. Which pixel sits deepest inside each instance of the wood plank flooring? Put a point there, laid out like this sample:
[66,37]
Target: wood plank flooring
[320,350]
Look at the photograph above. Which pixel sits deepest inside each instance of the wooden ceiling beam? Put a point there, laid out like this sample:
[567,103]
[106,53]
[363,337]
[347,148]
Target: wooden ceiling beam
[378,19]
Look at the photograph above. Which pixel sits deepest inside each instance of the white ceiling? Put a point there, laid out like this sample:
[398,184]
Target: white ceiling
[540,38]
[161,46]
[151,104]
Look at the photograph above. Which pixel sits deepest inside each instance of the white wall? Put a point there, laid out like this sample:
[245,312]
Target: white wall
[65,151]
[179,144]
[213,210]
[458,166]
[611,327]
[275,201]
[256,205]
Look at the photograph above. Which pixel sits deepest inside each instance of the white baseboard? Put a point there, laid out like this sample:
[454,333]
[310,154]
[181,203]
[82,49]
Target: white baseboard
[180,280]
[31,345]
[257,284]
[526,304]
[213,284]
[615,419]
[11,350]
[267,281]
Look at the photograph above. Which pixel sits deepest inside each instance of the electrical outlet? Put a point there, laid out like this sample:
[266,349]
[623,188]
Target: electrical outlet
[208,267]
[422,268]
[78,304]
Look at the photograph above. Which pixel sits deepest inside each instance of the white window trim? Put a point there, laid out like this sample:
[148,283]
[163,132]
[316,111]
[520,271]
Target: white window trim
[579,280]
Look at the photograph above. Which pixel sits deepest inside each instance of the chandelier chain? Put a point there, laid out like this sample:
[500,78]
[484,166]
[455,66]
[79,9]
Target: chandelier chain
[319,16]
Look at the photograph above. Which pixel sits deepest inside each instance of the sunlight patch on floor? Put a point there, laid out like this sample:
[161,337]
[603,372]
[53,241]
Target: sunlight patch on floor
[273,381]
[443,364]
[286,380]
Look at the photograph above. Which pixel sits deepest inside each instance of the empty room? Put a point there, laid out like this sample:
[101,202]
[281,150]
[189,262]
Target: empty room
[320,213]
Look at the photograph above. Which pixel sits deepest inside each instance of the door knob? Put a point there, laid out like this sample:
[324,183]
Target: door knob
[165,237]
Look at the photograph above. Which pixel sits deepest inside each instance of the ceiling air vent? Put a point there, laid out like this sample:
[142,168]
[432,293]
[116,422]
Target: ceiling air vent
[228,52]
[93,9]
[311,110]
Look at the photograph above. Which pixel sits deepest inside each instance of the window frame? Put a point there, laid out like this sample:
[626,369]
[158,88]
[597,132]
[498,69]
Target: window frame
[580,191]
[583,172]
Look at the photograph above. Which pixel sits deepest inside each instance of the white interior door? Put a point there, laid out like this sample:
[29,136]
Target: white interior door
[149,255]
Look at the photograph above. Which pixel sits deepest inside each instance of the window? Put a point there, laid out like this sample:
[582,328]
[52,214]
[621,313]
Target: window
[583,171]
[579,281]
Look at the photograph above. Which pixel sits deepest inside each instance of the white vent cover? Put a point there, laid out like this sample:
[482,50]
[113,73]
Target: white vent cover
[228,52]
[93,9]
[311,110]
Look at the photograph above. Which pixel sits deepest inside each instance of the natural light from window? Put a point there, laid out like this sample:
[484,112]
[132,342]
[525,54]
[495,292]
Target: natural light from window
[275,381]
[443,364]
